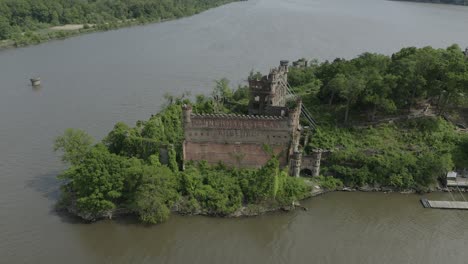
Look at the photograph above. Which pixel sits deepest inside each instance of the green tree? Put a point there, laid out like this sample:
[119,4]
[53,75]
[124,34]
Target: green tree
[75,144]
[117,140]
[351,92]
[156,194]
[335,86]
[97,180]
[5,28]
[378,92]
[262,184]
[221,94]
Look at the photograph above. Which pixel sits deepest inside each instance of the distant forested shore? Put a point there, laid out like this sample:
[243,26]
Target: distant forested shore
[452,2]
[24,22]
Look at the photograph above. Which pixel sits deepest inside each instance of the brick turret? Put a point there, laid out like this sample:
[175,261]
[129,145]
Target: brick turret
[186,114]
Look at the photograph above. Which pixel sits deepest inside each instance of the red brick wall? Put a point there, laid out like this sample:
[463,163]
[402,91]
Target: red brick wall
[238,155]
[238,140]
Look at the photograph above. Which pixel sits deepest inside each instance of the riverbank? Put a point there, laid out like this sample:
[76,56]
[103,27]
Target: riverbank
[68,31]
[183,207]
[65,31]
[253,210]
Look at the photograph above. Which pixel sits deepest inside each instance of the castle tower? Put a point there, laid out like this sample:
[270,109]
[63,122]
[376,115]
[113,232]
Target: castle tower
[284,65]
[269,90]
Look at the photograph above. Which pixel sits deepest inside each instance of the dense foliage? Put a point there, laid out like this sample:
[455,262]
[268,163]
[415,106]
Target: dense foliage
[381,115]
[374,84]
[127,169]
[374,119]
[18,16]
[410,154]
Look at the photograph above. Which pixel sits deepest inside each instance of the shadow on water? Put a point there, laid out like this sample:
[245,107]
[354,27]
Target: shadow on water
[47,185]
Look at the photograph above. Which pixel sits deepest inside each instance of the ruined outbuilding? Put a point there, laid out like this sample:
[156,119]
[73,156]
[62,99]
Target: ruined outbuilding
[246,141]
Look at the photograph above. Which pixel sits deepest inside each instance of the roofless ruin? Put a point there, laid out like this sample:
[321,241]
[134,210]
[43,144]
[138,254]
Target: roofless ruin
[240,140]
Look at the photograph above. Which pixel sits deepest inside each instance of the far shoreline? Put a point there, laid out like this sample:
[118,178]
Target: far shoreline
[65,31]
[69,32]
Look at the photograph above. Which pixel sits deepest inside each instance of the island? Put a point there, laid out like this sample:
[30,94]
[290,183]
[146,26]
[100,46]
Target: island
[371,123]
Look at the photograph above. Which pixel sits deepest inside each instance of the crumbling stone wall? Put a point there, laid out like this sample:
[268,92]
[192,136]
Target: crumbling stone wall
[239,140]
[312,162]
[268,90]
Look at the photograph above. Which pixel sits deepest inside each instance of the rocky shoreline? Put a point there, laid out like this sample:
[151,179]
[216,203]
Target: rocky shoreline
[181,208]
[252,209]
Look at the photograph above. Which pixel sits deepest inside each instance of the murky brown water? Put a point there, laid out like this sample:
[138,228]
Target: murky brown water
[93,81]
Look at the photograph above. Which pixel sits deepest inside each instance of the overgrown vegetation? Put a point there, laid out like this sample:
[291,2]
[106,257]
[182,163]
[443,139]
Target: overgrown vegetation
[125,170]
[26,21]
[328,182]
[383,116]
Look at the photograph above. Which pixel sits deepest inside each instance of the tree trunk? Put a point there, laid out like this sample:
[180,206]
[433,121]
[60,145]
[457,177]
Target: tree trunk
[443,106]
[346,112]
[374,111]
[438,101]
[331,98]
[413,94]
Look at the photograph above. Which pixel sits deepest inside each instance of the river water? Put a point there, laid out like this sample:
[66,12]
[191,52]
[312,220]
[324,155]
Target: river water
[93,81]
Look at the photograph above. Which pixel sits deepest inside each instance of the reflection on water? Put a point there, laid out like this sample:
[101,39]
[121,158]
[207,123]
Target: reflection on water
[36,88]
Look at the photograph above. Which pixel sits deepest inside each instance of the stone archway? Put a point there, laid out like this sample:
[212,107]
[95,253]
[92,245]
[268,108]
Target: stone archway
[306,172]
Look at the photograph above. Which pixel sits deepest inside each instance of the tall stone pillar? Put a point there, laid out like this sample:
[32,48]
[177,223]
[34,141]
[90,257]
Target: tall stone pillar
[295,164]
[186,114]
[187,122]
[316,156]
[284,65]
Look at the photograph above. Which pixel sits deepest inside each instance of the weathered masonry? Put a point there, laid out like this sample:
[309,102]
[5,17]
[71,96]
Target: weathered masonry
[238,140]
[246,141]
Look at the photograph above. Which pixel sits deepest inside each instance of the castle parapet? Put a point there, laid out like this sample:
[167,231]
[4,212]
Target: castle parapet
[237,122]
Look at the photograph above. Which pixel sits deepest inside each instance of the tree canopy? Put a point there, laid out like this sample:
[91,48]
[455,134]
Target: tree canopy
[376,84]
[363,106]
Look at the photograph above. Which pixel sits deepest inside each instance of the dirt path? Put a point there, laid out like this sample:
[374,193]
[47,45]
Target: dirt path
[68,27]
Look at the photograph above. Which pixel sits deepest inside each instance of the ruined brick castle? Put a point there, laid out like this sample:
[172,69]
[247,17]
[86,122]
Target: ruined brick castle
[246,141]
